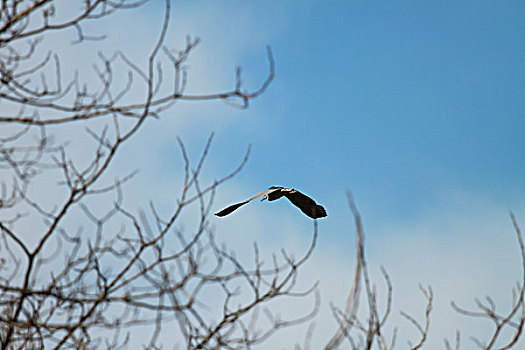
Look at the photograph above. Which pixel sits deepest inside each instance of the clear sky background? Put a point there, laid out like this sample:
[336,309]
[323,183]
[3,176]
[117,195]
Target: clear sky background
[417,107]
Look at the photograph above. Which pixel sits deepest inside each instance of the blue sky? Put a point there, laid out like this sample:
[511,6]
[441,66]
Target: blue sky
[398,101]
[416,106]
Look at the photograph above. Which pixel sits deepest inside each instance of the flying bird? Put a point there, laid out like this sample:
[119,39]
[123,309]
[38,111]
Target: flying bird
[300,200]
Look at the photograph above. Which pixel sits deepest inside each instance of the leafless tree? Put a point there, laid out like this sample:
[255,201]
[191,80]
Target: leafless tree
[369,333]
[508,327]
[76,274]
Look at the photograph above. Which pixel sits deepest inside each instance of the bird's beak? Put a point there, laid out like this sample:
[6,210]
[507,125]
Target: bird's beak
[265,197]
[293,190]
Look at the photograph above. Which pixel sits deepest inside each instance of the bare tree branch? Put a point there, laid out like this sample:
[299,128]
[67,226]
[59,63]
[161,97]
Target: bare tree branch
[514,320]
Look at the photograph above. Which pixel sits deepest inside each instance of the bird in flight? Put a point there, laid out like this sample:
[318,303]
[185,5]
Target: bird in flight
[300,200]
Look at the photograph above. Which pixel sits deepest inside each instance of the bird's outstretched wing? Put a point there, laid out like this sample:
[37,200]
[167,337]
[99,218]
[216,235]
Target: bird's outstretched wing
[236,206]
[306,204]
[230,209]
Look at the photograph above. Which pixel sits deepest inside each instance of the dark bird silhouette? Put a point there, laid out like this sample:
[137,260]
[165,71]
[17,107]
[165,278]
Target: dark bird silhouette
[300,200]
